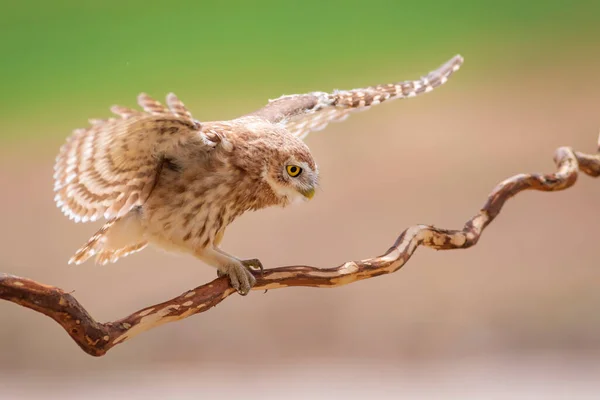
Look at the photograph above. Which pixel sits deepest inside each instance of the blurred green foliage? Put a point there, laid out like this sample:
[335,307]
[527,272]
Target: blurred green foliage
[63,57]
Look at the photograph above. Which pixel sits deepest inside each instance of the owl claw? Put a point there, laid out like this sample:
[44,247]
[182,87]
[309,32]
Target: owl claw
[240,277]
[254,264]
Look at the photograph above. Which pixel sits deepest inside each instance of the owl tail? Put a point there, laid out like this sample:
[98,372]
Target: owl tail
[118,238]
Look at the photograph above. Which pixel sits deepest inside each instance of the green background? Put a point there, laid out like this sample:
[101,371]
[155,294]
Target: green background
[62,60]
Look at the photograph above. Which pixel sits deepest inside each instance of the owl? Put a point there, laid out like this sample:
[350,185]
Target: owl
[158,176]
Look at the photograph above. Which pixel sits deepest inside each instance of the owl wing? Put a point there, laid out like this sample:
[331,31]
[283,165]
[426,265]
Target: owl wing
[302,114]
[112,166]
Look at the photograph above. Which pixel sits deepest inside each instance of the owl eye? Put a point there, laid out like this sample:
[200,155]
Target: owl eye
[293,170]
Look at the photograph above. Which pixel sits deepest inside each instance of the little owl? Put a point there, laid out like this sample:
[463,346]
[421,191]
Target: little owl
[160,176]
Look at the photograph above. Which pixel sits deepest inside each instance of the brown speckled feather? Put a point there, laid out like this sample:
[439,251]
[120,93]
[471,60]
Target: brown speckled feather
[110,167]
[302,114]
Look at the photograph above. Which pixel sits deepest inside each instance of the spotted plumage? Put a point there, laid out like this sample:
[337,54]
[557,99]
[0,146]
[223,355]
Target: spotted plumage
[159,176]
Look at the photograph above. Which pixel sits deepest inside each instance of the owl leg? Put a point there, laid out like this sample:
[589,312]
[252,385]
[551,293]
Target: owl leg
[253,263]
[239,273]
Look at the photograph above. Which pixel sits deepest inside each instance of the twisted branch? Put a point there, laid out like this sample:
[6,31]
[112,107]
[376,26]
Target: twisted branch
[96,338]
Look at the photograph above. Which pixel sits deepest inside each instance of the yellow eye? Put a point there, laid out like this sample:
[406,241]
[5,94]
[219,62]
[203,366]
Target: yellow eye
[293,170]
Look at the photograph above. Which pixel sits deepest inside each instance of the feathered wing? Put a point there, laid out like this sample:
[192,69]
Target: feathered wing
[110,167]
[302,114]
[117,238]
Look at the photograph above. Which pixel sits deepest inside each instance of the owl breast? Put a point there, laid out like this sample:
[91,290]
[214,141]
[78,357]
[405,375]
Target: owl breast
[193,202]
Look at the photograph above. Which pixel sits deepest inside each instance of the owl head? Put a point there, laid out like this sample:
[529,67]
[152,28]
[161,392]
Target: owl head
[292,173]
[283,162]
[287,167]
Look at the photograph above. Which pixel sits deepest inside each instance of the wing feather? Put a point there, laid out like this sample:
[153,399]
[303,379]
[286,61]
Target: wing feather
[111,166]
[302,114]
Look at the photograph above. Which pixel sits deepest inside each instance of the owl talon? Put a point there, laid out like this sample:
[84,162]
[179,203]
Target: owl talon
[240,277]
[254,264]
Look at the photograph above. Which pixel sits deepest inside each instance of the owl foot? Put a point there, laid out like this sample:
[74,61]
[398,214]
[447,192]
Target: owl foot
[254,264]
[240,276]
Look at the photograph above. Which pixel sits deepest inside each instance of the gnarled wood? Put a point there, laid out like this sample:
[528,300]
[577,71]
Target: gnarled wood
[97,338]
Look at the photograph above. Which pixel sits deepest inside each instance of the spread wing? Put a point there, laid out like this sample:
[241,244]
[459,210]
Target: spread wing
[110,167]
[302,114]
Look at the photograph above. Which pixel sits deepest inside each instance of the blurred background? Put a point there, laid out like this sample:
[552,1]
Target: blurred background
[514,317]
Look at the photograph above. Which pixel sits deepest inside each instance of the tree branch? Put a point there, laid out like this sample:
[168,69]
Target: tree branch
[97,338]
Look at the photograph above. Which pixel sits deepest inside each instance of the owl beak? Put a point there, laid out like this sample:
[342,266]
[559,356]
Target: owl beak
[309,193]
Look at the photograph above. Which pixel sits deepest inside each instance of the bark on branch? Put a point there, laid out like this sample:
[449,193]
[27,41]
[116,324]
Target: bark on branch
[96,338]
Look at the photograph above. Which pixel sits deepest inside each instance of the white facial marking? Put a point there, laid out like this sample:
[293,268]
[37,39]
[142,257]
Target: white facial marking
[290,192]
[286,192]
